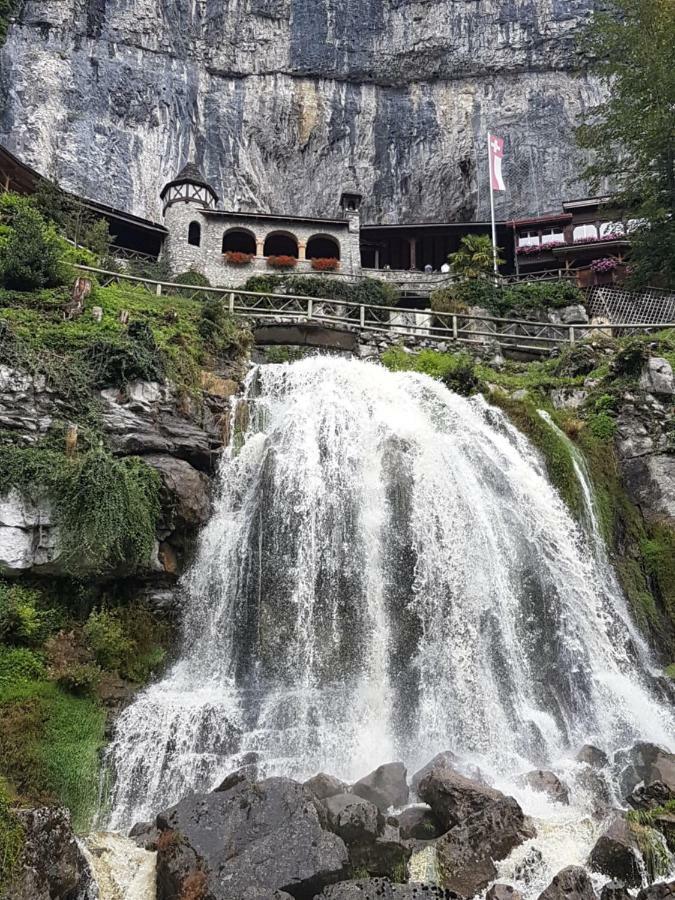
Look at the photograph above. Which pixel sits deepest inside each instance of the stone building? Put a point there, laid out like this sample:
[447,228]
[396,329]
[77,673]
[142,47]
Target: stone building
[228,247]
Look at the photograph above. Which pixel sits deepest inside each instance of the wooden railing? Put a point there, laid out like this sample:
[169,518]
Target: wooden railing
[427,324]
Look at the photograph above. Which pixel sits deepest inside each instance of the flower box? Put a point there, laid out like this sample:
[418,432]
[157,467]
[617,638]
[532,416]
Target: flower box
[237,258]
[321,264]
[282,262]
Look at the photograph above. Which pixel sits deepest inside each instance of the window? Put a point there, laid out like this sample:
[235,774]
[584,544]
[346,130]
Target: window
[194,234]
[585,232]
[528,239]
[552,235]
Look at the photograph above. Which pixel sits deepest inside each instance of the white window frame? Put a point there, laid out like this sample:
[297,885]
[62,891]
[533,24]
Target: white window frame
[584,232]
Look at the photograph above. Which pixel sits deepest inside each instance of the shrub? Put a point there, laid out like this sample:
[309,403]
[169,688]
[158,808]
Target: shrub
[81,679]
[117,361]
[456,370]
[21,621]
[237,258]
[545,294]
[444,300]
[282,262]
[106,637]
[368,290]
[325,265]
[458,297]
[19,664]
[220,333]
[475,257]
[31,255]
[602,426]
[630,358]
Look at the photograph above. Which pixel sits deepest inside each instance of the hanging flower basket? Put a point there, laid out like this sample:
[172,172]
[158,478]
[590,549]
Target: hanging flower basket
[535,249]
[282,262]
[606,264]
[237,258]
[325,264]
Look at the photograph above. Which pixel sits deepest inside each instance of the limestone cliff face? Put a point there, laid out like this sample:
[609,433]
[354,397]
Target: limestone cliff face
[284,102]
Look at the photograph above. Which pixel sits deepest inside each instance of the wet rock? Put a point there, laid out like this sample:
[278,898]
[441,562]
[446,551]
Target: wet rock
[650,796]
[615,890]
[323,786]
[664,890]
[646,763]
[120,869]
[657,376]
[503,892]
[354,819]
[592,756]
[572,883]
[383,889]
[145,835]
[418,823]
[453,798]
[616,853]
[665,823]
[546,782]
[247,772]
[385,787]
[52,864]
[446,759]
[184,494]
[268,836]
[468,852]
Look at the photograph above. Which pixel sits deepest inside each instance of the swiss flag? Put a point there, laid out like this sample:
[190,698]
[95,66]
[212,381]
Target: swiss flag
[496,146]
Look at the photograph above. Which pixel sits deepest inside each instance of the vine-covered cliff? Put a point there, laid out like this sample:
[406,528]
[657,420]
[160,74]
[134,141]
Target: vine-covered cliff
[284,102]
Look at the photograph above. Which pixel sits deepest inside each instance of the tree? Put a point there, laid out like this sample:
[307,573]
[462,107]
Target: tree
[632,133]
[72,217]
[474,259]
[30,250]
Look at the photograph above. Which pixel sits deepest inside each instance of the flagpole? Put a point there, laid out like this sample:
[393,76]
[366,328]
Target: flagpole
[492,210]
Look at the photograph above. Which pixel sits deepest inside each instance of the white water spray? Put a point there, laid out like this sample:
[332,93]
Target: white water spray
[387,573]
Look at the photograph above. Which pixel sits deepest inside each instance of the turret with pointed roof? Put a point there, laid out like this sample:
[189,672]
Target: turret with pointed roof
[189,186]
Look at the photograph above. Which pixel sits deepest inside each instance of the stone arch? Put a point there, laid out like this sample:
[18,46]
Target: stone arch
[194,234]
[281,243]
[323,246]
[239,240]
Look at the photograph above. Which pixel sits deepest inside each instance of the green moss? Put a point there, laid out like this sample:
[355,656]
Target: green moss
[11,838]
[456,370]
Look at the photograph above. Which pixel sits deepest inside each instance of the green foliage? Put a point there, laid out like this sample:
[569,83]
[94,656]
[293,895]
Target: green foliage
[602,426]
[543,294]
[74,218]
[455,370]
[8,8]
[219,332]
[11,838]
[372,291]
[475,257]
[21,619]
[128,641]
[106,636]
[19,664]
[501,300]
[630,358]
[658,553]
[632,132]
[80,679]
[31,255]
[652,847]
[106,508]
[122,359]
[458,297]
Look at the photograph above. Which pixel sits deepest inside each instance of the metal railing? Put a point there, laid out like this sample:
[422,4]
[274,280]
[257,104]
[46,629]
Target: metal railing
[428,325]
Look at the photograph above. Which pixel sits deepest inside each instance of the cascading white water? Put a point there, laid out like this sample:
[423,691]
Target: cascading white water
[387,573]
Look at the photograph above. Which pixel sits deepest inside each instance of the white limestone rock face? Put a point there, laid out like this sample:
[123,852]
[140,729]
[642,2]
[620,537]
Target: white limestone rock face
[27,538]
[284,102]
[657,376]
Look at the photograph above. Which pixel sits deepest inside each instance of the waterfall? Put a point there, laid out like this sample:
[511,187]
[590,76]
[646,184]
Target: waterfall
[387,573]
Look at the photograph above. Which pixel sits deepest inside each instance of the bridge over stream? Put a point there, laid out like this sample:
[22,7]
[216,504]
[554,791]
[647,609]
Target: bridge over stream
[288,319]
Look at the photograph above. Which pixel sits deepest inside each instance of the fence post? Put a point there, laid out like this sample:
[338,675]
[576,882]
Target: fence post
[572,335]
[310,308]
[231,303]
[362,315]
[455,332]
[158,290]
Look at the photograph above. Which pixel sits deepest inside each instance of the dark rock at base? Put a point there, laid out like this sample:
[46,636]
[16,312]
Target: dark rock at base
[616,853]
[52,865]
[248,772]
[145,835]
[446,759]
[453,798]
[184,494]
[467,853]
[323,786]
[383,889]
[546,782]
[646,763]
[592,756]
[268,836]
[615,890]
[650,796]
[353,819]
[664,890]
[594,781]
[572,883]
[503,892]
[418,823]
[386,786]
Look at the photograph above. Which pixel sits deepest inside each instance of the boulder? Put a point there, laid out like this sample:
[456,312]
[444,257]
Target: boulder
[592,756]
[650,796]
[646,763]
[386,786]
[446,759]
[572,883]
[248,772]
[383,889]
[267,836]
[657,377]
[453,798]
[418,823]
[323,786]
[616,853]
[546,782]
[145,835]
[52,865]
[503,892]
[355,820]
[615,890]
[184,495]
[574,315]
[664,890]
[467,853]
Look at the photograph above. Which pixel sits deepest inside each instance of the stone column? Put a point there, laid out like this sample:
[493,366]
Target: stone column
[259,247]
[301,250]
[413,252]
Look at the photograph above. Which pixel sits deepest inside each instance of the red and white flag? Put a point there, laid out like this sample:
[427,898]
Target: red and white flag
[496,146]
